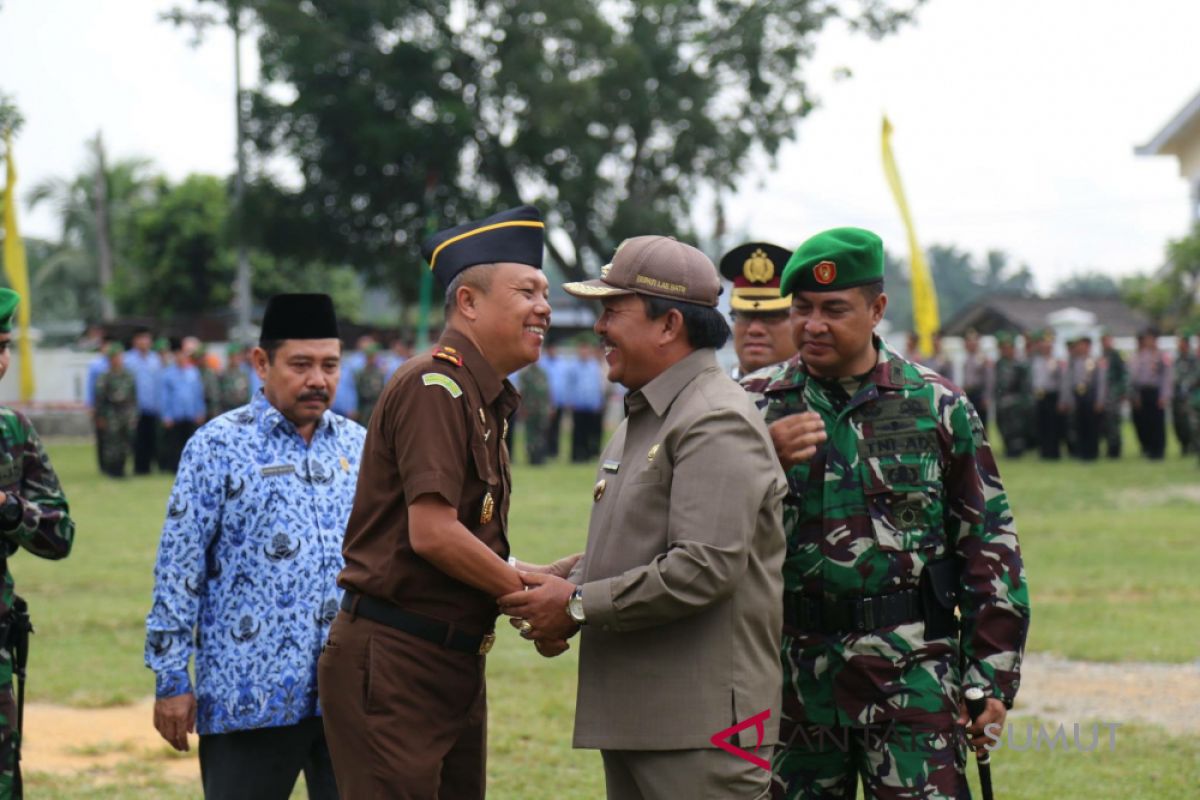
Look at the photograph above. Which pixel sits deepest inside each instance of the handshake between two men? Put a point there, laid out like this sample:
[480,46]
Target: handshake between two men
[539,612]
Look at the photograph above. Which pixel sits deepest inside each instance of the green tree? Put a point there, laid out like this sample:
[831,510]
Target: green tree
[609,116]
[1169,297]
[74,266]
[183,264]
[1088,284]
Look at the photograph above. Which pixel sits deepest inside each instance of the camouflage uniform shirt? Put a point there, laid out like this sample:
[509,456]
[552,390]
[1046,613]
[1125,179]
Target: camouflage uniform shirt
[906,478]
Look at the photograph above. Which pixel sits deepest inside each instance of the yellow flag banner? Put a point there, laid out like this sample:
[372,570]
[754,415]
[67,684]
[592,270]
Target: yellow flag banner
[924,295]
[16,271]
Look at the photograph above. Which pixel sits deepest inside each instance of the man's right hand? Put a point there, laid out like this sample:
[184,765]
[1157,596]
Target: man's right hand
[175,718]
[796,437]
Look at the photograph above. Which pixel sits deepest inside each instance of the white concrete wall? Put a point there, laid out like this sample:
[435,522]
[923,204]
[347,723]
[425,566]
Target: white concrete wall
[58,374]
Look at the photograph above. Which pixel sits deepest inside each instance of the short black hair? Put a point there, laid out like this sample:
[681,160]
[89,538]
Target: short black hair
[705,326]
[872,290]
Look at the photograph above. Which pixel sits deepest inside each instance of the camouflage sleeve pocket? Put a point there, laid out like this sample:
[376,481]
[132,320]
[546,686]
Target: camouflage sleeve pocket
[906,511]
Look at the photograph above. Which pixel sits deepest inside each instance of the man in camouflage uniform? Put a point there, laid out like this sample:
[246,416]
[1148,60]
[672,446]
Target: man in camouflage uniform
[535,412]
[116,412]
[1116,375]
[233,384]
[899,517]
[1187,369]
[211,382]
[1014,397]
[33,515]
[369,381]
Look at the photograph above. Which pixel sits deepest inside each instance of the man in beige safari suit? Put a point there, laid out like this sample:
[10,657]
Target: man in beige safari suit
[679,594]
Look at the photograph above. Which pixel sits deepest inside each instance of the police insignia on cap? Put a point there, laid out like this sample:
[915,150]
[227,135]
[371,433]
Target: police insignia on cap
[825,273]
[758,268]
[489,508]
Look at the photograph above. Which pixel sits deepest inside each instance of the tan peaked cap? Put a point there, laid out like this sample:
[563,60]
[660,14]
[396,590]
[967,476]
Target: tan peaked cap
[660,266]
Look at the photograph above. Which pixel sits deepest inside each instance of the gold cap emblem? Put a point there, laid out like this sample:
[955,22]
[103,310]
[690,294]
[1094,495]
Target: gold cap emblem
[758,268]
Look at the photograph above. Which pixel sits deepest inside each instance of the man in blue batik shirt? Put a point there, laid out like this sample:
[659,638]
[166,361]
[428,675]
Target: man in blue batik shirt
[246,575]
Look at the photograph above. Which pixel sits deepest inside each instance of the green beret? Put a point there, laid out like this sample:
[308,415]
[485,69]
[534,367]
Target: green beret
[233,348]
[8,307]
[1004,337]
[161,345]
[833,260]
[114,349]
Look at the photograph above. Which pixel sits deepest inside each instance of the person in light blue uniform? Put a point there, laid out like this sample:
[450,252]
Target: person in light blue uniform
[346,402]
[245,582]
[146,367]
[181,407]
[553,364]
[588,392]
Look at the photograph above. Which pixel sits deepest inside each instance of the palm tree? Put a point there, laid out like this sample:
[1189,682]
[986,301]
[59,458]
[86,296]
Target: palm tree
[95,209]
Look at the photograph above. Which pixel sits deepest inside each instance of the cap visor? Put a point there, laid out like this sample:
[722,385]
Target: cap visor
[594,289]
[760,304]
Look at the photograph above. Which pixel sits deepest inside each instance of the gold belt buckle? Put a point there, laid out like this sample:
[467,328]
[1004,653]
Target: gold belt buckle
[485,646]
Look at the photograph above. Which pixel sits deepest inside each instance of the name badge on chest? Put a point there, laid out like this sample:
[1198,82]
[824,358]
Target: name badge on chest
[277,470]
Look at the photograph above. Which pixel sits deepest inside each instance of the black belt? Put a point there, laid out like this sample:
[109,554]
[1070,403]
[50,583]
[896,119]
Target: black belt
[856,614]
[432,630]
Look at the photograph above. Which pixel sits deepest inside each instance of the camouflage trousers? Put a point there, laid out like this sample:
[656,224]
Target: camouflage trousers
[896,761]
[8,727]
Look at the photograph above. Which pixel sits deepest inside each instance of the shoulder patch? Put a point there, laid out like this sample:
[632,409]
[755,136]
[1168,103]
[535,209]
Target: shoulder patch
[449,355]
[444,381]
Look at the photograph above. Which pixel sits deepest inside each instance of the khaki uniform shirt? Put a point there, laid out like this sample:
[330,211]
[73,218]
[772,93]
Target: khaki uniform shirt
[682,576]
[438,429]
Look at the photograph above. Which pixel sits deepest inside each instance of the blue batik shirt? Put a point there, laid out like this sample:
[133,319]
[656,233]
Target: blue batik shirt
[246,574]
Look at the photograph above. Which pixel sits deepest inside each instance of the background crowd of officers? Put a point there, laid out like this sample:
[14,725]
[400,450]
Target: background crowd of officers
[1047,404]
[148,396]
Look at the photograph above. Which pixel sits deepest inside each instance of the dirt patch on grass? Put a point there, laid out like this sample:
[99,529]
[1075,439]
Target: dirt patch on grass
[64,740]
[105,741]
[1066,691]
[1142,498]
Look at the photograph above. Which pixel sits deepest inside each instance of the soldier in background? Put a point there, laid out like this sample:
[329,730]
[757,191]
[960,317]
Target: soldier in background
[233,384]
[369,381]
[33,515]
[1117,379]
[116,412]
[210,383]
[1081,396]
[978,377]
[761,333]
[1149,393]
[1014,397]
[1046,373]
[1186,368]
[535,412]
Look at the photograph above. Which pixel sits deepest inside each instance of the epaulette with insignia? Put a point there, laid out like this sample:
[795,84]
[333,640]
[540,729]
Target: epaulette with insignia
[449,355]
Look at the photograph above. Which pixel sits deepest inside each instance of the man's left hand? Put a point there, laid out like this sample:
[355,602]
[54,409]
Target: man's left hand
[994,714]
[543,604]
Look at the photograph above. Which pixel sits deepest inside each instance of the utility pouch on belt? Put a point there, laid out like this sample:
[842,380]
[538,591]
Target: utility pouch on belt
[939,596]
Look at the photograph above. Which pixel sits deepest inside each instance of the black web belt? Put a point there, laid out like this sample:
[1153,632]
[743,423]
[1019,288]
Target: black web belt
[857,614]
[432,630]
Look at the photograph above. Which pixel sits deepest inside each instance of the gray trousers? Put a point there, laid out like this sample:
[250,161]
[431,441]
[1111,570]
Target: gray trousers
[708,774]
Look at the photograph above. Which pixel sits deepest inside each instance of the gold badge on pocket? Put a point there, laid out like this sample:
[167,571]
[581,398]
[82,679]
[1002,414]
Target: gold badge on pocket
[653,452]
[598,492]
[489,509]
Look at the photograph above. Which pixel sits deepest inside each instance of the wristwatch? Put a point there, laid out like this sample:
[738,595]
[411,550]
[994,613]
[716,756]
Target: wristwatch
[575,606]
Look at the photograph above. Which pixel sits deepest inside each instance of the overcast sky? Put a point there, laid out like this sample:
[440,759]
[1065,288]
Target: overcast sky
[1015,122]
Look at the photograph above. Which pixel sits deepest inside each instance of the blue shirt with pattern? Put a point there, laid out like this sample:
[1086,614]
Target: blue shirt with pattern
[246,575]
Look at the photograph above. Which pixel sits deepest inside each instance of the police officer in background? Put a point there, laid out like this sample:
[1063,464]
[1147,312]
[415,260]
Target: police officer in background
[1047,379]
[1082,394]
[978,377]
[1116,375]
[761,333]
[898,518]
[1149,393]
[402,673]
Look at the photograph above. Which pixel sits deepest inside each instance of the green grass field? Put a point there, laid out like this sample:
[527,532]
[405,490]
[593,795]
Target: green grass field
[1110,550]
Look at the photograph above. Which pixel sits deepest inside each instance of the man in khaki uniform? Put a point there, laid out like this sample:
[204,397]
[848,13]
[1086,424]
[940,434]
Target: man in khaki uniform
[678,595]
